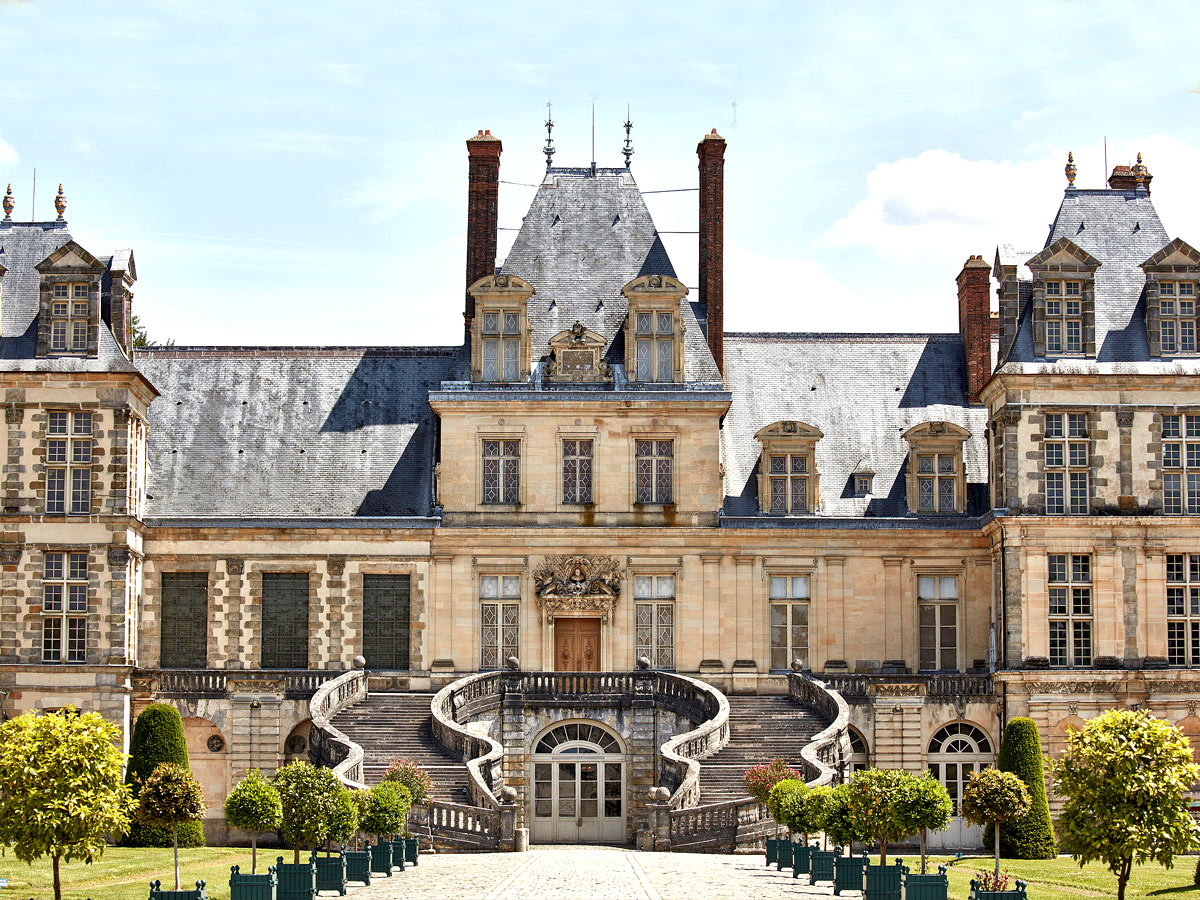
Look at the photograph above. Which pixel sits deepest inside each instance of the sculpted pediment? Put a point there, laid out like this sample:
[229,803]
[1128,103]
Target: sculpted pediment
[1177,253]
[577,583]
[1064,250]
[575,355]
[789,429]
[71,257]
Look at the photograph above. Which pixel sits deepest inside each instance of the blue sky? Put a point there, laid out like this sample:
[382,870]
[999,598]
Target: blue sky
[295,173]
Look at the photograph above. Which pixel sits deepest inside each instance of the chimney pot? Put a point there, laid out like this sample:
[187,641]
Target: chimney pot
[483,195]
[711,151]
[975,323]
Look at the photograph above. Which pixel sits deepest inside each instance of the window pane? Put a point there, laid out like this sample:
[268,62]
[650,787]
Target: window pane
[949,586]
[183,641]
[386,621]
[926,588]
[285,620]
[778,587]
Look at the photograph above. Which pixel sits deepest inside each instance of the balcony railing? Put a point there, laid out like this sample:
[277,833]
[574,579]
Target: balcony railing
[935,686]
[293,683]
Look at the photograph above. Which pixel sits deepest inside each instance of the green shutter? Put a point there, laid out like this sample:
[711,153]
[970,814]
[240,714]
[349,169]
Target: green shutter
[285,620]
[385,621]
[183,638]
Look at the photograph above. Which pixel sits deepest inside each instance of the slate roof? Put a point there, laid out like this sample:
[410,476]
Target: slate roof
[23,246]
[863,391]
[280,432]
[1122,230]
[585,237]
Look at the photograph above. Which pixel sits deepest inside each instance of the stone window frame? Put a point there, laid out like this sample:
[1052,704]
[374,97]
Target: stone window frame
[936,439]
[1184,470]
[1177,261]
[153,568]
[576,475]
[1064,261]
[958,602]
[496,294]
[69,313]
[72,440]
[789,572]
[501,434]
[653,295]
[64,616]
[137,441]
[791,438]
[655,572]
[500,571]
[1069,584]
[313,568]
[1067,469]
[1178,292]
[654,436]
[1186,588]
[417,602]
[52,271]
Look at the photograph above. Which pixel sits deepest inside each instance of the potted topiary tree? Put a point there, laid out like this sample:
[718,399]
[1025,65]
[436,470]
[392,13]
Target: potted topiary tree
[170,797]
[995,797]
[254,806]
[343,823]
[420,788]
[779,791]
[158,738]
[802,814]
[924,805]
[358,862]
[385,815]
[1021,753]
[309,797]
[874,810]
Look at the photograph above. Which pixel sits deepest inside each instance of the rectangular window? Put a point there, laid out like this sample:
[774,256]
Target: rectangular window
[654,619]
[654,342]
[937,620]
[183,636]
[1069,593]
[499,619]
[655,461]
[787,479]
[1181,463]
[68,462]
[1183,609]
[937,477]
[576,471]
[64,606]
[789,621]
[386,621]
[285,620]
[1065,458]
[1064,317]
[500,348]
[501,471]
[1177,317]
[69,317]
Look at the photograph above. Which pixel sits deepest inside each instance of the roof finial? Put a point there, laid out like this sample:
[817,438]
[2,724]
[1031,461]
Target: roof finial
[593,137]
[1070,169]
[628,150]
[60,203]
[9,204]
[1139,172]
[549,148]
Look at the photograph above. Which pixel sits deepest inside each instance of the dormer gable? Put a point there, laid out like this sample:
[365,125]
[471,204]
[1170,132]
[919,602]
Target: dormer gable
[576,356]
[1172,292]
[936,483]
[654,329]
[1064,300]
[788,480]
[500,329]
[69,303]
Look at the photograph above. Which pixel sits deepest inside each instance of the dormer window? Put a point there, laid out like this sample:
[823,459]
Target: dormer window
[69,317]
[1064,317]
[936,483]
[500,329]
[1177,316]
[862,484]
[501,350]
[654,329]
[654,338]
[787,483]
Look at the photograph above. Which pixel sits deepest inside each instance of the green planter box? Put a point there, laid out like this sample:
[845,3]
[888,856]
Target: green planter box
[411,850]
[381,858]
[783,854]
[772,849]
[198,893]
[927,887]
[885,882]
[358,866]
[977,893]
[331,873]
[848,873]
[252,887]
[820,864]
[297,881]
[398,853]
[801,854]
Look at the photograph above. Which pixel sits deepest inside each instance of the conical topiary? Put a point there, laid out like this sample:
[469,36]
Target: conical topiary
[1031,837]
[158,738]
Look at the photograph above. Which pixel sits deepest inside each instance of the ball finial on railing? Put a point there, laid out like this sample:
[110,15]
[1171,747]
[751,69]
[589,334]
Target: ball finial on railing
[360,662]
[512,663]
[507,794]
[660,794]
[643,662]
[797,665]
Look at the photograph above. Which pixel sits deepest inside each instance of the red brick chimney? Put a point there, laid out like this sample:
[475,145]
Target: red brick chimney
[483,194]
[711,151]
[975,323]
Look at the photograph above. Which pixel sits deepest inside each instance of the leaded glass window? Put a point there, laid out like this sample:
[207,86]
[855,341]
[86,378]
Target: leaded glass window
[789,621]
[1069,591]
[69,317]
[500,349]
[577,471]
[654,343]
[1181,463]
[654,619]
[501,471]
[1183,609]
[1065,458]
[64,606]
[285,620]
[655,461]
[183,639]
[68,462]
[1064,317]
[499,619]
[937,474]
[1177,317]
[787,478]
[386,621]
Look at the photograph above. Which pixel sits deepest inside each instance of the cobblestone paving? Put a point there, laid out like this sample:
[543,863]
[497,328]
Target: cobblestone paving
[591,873]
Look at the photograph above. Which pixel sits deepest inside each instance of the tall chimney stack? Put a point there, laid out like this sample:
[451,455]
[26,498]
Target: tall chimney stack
[711,151]
[483,195]
[975,323]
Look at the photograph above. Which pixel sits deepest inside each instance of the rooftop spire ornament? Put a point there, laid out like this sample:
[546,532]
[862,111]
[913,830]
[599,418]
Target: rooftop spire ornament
[549,148]
[1070,169]
[60,203]
[628,149]
[1139,172]
[8,204]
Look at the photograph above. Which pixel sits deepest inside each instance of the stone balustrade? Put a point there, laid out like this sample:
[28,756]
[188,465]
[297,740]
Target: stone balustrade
[952,686]
[327,746]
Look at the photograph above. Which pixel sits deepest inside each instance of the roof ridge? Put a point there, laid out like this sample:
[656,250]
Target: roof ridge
[843,335]
[275,351]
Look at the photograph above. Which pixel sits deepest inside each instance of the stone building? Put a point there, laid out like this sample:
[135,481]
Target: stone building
[603,552]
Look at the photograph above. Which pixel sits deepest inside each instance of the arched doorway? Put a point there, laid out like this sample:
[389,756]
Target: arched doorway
[860,758]
[956,752]
[578,785]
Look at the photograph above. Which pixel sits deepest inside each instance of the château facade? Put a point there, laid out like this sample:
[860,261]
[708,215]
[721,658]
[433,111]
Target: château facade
[947,529]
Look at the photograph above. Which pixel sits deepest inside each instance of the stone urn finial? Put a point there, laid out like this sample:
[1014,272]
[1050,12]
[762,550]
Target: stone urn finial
[507,794]
[9,203]
[60,203]
[512,664]
[797,665]
[660,794]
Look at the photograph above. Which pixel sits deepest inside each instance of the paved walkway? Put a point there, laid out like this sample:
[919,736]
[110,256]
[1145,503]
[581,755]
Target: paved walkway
[591,873]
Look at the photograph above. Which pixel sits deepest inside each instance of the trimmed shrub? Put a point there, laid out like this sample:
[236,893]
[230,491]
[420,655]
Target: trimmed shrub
[387,810]
[158,738]
[779,794]
[254,806]
[1031,837]
[760,779]
[413,777]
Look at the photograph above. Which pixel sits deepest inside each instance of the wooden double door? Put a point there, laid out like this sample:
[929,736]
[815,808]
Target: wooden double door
[577,645]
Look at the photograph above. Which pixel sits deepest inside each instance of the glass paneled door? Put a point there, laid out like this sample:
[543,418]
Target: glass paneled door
[578,786]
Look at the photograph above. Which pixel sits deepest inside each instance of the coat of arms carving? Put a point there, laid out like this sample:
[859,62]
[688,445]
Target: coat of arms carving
[577,583]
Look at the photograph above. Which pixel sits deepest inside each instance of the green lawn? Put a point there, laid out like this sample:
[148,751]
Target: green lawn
[1062,877]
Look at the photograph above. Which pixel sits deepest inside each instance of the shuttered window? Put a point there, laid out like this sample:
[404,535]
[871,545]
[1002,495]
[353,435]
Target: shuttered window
[385,621]
[285,620]
[183,643]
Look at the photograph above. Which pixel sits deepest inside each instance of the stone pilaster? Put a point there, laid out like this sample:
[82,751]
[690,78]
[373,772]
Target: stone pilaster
[642,774]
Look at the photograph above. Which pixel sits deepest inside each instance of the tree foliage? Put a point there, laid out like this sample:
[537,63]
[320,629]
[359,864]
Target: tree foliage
[810,813]
[170,797]
[924,805]
[779,791]
[388,809]
[839,825]
[413,777]
[343,823]
[1126,777]
[254,806]
[995,797]
[760,779]
[873,806]
[1031,837]
[310,800]
[158,738]
[60,787]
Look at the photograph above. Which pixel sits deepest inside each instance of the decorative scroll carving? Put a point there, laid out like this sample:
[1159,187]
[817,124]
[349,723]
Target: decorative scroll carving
[256,686]
[121,415]
[1125,418]
[1171,687]
[336,565]
[1075,687]
[14,415]
[1010,417]
[897,690]
[575,356]
[578,583]
[118,557]
[10,554]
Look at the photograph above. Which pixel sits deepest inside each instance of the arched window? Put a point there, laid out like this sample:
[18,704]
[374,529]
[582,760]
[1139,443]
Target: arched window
[860,758]
[957,752]
[574,733]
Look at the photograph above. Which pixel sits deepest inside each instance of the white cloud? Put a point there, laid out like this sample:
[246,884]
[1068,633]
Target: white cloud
[8,156]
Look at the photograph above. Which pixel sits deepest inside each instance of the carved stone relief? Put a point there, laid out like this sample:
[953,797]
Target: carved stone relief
[577,583]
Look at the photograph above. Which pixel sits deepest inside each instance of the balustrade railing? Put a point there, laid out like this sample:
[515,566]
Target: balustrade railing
[452,706]
[327,746]
[681,755]
[716,825]
[294,683]
[824,757]
[859,686]
[535,685]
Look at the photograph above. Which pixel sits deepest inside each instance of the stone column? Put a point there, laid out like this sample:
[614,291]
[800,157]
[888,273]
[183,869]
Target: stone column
[512,736]
[643,748]
[14,417]
[1126,501]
